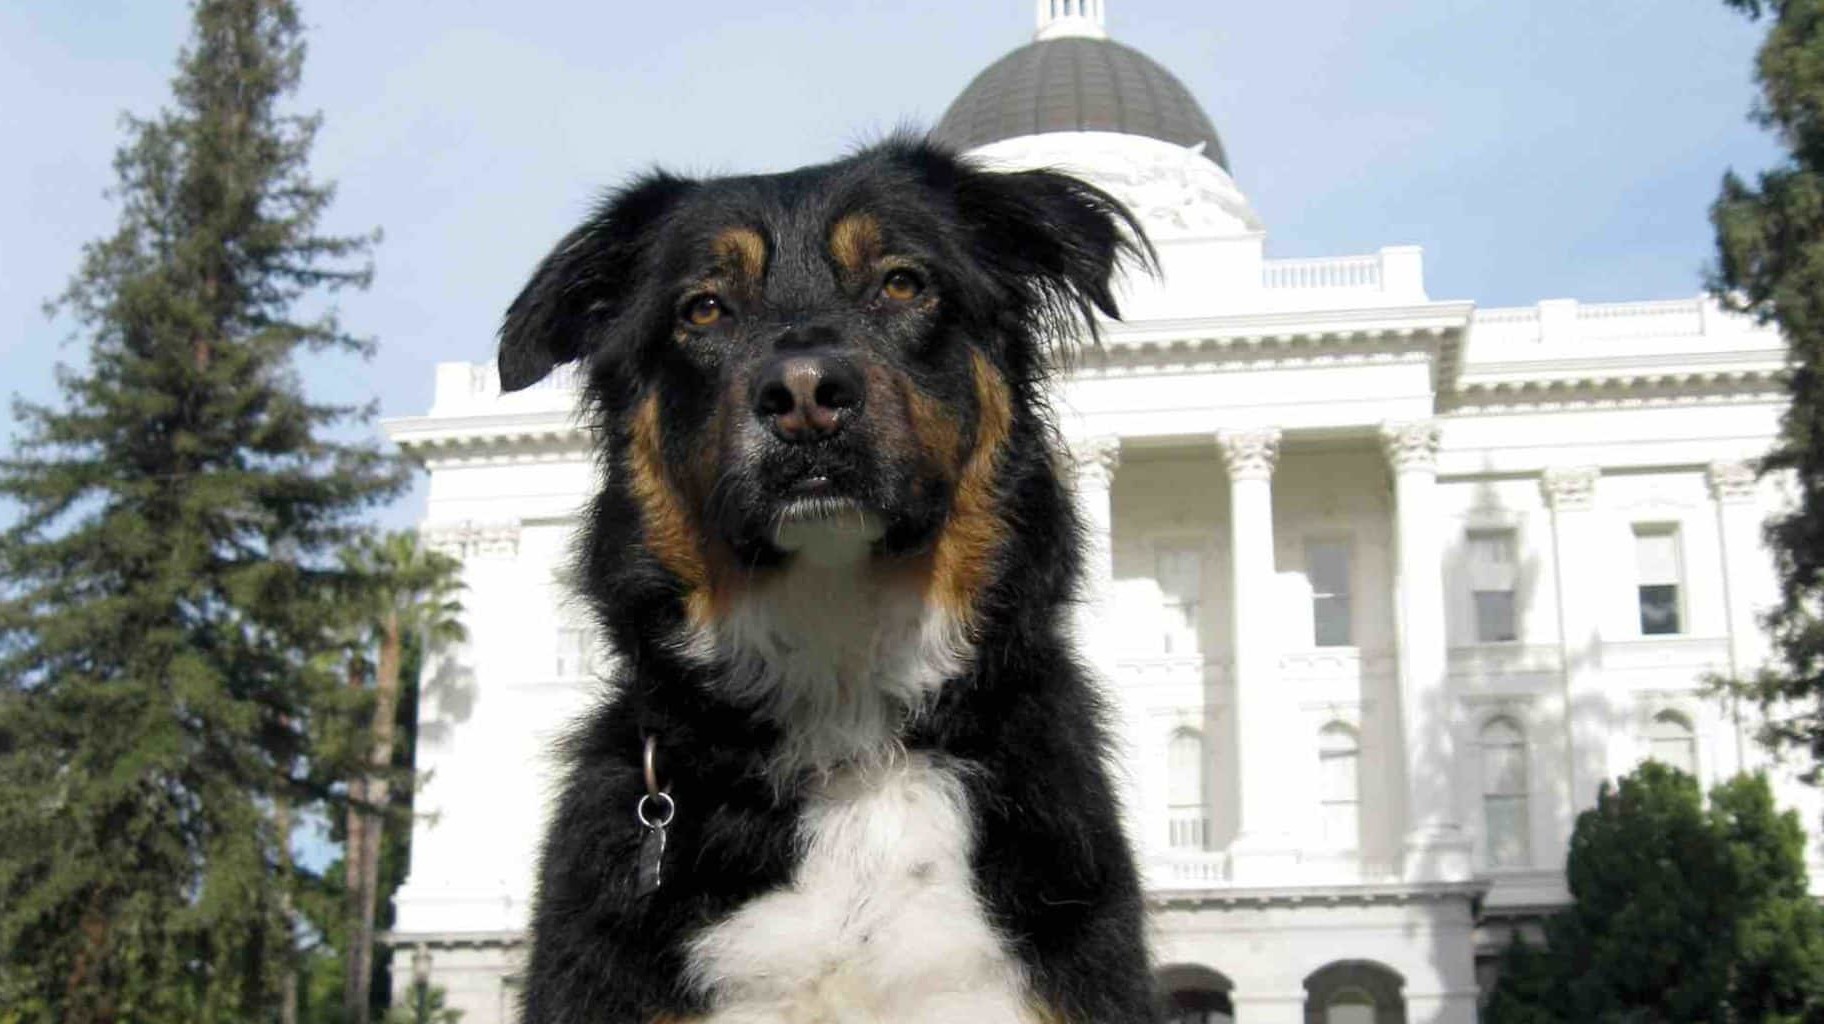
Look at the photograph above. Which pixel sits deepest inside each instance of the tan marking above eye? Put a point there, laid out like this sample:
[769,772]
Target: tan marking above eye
[742,252]
[704,310]
[902,286]
[855,241]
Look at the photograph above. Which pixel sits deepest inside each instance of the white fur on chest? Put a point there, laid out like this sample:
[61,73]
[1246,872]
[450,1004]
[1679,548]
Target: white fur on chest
[834,650]
[881,923]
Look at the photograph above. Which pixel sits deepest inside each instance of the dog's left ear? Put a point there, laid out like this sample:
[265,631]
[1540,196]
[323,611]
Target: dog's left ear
[1055,241]
[586,284]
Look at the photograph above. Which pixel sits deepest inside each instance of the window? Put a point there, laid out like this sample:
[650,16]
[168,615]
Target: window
[1657,574]
[1196,995]
[1671,742]
[575,651]
[1327,569]
[1349,1006]
[1199,1008]
[1504,798]
[1179,570]
[1493,581]
[1355,992]
[1189,823]
[1339,757]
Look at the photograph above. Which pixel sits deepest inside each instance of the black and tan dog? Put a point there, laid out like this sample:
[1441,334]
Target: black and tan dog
[850,769]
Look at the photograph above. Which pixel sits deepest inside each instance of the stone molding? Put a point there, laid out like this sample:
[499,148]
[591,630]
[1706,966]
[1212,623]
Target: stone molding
[1731,482]
[1095,460]
[1412,446]
[1570,488]
[469,539]
[1250,454]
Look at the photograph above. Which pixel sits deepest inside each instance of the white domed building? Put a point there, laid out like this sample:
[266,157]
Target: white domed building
[1384,586]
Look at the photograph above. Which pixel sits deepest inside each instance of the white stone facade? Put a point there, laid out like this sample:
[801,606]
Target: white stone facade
[1383,588]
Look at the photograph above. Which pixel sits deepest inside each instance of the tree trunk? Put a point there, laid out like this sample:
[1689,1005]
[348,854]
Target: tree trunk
[288,971]
[376,793]
[356,963]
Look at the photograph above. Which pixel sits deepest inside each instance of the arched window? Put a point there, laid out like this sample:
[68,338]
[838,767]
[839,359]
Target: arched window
[1504,794]
[1671,742]
[1339,786]
[1196,995]
[1186,804]
[1349,1006]
[1354,992]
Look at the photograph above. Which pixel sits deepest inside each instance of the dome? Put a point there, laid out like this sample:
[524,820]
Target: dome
[1073,78]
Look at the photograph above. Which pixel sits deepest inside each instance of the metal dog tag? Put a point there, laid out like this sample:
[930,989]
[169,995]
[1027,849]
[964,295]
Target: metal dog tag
[655,811]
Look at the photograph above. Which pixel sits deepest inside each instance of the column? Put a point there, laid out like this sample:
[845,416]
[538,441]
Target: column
[1094,460]
[1738,522]
[1264,851]
[1436,847]
[1570,492]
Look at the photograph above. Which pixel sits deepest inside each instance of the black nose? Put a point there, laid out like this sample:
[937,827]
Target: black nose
[807,396]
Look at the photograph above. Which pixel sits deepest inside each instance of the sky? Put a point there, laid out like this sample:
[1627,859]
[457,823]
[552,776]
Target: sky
[1535,149]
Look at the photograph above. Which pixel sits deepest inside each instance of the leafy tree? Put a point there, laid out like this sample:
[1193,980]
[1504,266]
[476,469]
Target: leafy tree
[1770,244]
[413,607]
[169,580]
[1680,913]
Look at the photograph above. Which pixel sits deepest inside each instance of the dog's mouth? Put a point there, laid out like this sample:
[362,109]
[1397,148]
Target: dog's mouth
[823,525]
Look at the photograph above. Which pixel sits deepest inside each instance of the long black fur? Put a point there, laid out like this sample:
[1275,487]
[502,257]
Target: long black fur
[1023,258]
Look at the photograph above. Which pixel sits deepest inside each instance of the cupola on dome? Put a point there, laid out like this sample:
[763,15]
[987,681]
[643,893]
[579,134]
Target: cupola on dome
[1073,78]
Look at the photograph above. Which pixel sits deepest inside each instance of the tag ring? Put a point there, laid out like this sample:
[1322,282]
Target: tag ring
[651,758]
[669,810]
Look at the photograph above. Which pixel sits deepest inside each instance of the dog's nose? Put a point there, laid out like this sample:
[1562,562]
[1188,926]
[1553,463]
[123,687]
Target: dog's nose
[807,396]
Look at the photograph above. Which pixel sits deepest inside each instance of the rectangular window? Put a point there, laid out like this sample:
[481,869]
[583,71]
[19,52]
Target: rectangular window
[1657,573]
[1493,581]
[1178,569]
[575,645]
[1327,570]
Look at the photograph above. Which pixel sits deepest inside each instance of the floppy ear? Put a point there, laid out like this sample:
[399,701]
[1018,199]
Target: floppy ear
[1055,240]
[587,280]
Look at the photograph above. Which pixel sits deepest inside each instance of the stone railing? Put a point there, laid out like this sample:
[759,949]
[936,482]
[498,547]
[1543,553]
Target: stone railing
[1568,322]
[1678,318]
[1169,870]
[1331,272]
[474,389]
[1187,871]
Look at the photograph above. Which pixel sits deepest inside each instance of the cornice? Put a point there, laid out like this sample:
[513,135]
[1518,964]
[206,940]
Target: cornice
[1320,896]
[1591,384]
[452,940]
[502,437]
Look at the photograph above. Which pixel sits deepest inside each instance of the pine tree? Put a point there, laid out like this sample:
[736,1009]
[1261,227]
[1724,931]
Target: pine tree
[170,580]
[1770,243]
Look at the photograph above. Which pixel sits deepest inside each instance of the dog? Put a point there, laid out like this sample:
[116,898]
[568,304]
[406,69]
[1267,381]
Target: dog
[849,768]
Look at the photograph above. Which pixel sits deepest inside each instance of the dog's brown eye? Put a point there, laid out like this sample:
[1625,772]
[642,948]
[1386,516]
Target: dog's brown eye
[902,286]
[703,310]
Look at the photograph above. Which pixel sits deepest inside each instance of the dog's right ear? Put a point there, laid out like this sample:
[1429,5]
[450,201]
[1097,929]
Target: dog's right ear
[586,282]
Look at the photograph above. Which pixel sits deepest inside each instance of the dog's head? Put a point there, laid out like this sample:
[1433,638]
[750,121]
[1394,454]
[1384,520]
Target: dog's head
[849,347]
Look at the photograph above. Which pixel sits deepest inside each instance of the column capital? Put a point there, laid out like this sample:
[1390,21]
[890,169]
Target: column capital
[1411,445]
[1250,454]
[1095,459]
[1570,487]
[1730,482]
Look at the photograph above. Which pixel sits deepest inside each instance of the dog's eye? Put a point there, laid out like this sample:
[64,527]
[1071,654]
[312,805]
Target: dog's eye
[902,286]
[703,310]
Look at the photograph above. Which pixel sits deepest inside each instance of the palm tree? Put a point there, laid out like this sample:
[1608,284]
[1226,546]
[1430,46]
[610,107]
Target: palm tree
[411,596]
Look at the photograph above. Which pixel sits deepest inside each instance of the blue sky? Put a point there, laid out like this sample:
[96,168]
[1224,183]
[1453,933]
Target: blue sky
[1536,149]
